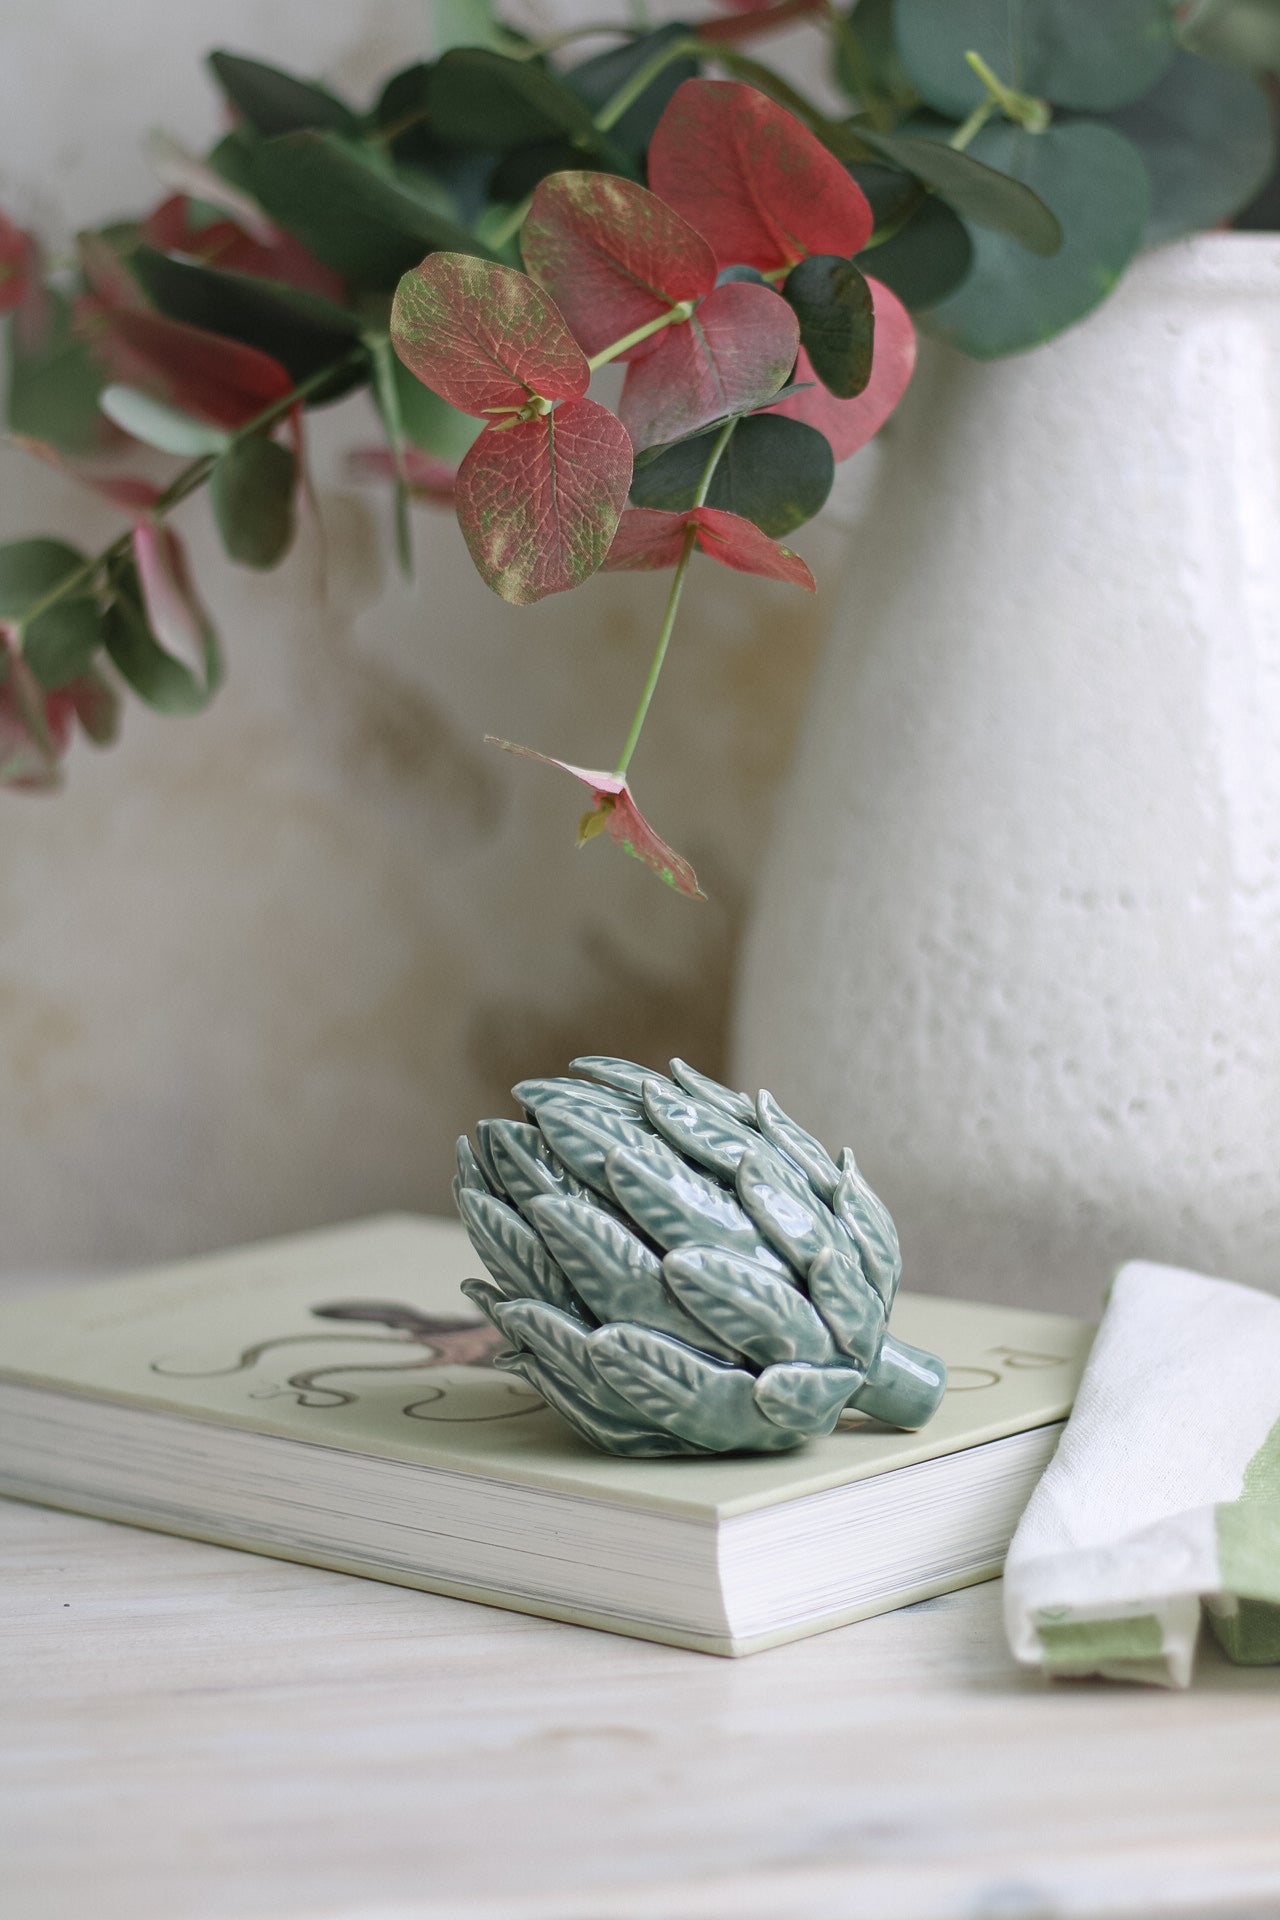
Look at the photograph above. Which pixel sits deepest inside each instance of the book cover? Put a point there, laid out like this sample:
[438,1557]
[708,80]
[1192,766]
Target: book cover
[357,1339]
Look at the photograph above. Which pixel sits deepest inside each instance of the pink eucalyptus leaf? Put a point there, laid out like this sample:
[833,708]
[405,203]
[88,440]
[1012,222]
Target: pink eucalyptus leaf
[752,177]
[174,613]
[737,349]
[35,726]
[171,229]
[611,255]
[188,175]
[539,500]
[650,538]
[484,337]
[218,380]
[849,424]
[426,477]
[614,807]
[19,265]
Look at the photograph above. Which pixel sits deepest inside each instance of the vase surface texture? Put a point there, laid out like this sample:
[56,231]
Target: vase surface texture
[1018,938]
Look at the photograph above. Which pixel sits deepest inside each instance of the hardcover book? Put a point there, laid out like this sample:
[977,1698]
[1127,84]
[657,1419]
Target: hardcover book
[326,1398]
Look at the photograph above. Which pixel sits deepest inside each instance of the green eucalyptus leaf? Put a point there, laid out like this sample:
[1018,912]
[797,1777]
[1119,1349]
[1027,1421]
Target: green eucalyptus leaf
[1207,137]
[252,490]
[775,472]
[58,644]
[926,259]
[1087,54]
[597,80]
[978,190]
[303,331]
[1245,33]
[483,99]
[1096,184]
[348,213]
[157,676]
[892,194]
[156,424]
[866,61]
[54,384]
[464,23]
[832,302]
[275,102]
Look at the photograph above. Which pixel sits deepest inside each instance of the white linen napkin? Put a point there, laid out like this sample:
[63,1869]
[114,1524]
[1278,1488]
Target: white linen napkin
[1164,1491]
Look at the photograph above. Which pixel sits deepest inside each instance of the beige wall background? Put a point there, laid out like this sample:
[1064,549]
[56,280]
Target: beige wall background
[258,969]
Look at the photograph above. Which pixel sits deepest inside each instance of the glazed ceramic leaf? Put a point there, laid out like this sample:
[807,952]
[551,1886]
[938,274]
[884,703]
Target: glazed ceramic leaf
[1090,54]
[672,1386]
[867,1221]
[539,500]
[551,1335]
[850,1307]
[1207,138]
[731,356]
[647,539]
[751,177]
[805,1400]
[470,1172]
[623,1075]
[484,337]
[583,1136]
[621,1432]
[485,1294]
[612,255]
[848,424]
[275,102]
[252,489]
[788,1216]
[808,1154]
[737,1105]
[748,1307]
[520,1160]
[832,302]
[775,472]
[611,1269]
[1096,184]
[511,1249]
[534,1094]
[678,1207]
[702,1133]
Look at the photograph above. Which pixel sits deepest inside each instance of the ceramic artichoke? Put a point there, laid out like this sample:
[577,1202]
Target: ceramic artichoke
[680,1270]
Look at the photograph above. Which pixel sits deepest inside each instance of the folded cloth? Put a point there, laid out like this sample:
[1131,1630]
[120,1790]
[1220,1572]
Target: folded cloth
[1164,1491]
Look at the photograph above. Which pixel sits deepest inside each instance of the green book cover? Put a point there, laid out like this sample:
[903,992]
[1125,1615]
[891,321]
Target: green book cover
[356,1340]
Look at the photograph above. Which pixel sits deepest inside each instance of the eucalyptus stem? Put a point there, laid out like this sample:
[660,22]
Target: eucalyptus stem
[186,483]
[642,79]
[683,310]
[673,602]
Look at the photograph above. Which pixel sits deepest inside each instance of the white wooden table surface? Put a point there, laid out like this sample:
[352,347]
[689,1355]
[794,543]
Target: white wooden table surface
[188,1733]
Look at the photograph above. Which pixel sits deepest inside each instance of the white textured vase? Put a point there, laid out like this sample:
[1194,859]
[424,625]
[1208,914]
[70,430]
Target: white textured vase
[1018,940]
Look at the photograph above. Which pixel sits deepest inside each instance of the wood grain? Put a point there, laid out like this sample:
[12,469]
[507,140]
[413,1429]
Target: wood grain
[189,1733]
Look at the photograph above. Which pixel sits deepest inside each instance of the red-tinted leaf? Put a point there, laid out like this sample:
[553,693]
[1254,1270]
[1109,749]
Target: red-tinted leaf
[35,726]
[612,255]
[191,177]
[539,500]
[614,808]
[19,264]
[751,177]
[222,243]
[174,613]
[737,350]
[649,538]
[425,476]
[849,424]
[484,337]
[205,374]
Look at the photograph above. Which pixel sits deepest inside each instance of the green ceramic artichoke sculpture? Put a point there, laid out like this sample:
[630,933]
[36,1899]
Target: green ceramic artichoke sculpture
[679,1270]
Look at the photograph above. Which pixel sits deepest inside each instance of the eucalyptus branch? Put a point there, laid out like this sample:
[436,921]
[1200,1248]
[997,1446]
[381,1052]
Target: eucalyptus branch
[683,310]
[642,79]
[673,601]
[189,481]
